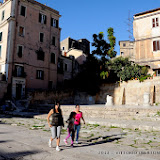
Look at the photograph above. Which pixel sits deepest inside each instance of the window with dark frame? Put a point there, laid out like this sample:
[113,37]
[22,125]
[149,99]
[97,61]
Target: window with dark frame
[54,23]
[53,41]
[53,58]
[3,12]
[20,51]
[21,31]
[124,44]
[23,11]
[41,37]
[40,74]
[155,22]
[0,36]
[156,45]
[42,18]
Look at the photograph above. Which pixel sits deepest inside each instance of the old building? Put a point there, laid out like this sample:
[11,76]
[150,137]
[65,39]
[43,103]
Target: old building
[77,48]
[127,49]
[146,29]
[146,44]
[29,45]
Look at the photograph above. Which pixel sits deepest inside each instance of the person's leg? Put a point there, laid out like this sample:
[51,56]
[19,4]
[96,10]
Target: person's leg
[78,129]
[58,134]
[72,140]
[68,131]
[53,132]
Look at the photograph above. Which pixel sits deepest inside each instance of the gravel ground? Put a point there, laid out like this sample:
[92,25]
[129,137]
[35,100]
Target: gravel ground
[26,138]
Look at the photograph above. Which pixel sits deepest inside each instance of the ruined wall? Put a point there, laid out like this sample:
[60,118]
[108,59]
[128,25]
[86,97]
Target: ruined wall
[126,93]
[3,89]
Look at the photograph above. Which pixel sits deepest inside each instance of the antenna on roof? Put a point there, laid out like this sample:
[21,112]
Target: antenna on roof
[130,26]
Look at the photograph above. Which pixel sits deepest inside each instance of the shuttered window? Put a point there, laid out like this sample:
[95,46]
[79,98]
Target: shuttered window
[156,45]
[155,22]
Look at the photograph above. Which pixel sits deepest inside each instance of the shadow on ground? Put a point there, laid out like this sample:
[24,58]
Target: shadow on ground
[16,155]
[87,143]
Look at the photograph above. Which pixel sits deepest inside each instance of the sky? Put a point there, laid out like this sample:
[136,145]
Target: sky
[83,18]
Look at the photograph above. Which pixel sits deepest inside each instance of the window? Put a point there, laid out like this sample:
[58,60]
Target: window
[124,44]
[155,22]
[21,31]
[53,41]
[63,48]
[54,23]
[40,74]
[53,58]
[156,45]
[0,36]
[23,11]
[0,50]
[42,18]
[40,54]
[65,67]
[20,51]
[122,53]
[19,71]
[41,37]
[3,12]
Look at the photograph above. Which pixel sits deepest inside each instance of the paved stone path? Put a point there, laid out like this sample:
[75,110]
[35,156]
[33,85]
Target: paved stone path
[26,139]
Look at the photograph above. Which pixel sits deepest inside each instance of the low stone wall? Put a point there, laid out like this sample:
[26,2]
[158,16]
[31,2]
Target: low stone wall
[3,89]
[125,93]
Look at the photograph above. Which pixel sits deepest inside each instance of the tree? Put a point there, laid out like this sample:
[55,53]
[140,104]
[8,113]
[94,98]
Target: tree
[112,40]
[125,69]
[103,49]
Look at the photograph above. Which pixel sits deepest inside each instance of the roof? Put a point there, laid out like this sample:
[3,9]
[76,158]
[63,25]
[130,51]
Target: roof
[146,12]
[42,5]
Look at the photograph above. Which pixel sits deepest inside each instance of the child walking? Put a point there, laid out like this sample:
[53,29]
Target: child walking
[70,128]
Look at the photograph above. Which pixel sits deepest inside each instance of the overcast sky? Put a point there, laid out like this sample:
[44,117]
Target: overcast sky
[83,18]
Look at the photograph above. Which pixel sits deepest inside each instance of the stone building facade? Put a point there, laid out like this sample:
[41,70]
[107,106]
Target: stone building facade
[146,44]
[29,45]
[77,48]
[146,30]
[127,49]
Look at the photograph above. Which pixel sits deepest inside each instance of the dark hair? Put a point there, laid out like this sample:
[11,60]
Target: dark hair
[76,105]
[71,115]
[59,109]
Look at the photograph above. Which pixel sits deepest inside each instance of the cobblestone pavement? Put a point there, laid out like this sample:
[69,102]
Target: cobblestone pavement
[26,139]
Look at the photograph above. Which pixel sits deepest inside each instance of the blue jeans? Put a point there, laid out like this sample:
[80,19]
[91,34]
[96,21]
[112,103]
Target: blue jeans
[77,127]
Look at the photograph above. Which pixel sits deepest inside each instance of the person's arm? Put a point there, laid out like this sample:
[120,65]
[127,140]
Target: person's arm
[83,119]
[49,114]
[62,119]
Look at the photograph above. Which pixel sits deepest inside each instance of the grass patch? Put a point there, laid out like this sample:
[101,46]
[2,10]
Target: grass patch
[95,125]
[113,127]
[38,126]
[63,131]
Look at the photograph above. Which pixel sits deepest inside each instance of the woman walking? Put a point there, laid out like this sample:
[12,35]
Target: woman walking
[56,124]
[77,122]
[70,128]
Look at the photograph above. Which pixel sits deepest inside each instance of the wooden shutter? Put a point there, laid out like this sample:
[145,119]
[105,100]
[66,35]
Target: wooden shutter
[56,23]
[153,22]
[158,45]
[52,22]
[40,17]
[45,19]
[157,23]
[154,45]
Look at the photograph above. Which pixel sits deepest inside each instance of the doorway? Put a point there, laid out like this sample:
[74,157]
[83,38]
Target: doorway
[18,91]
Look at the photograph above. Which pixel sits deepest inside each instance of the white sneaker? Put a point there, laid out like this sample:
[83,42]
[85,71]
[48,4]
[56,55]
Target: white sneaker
[50,143]
[57,148]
